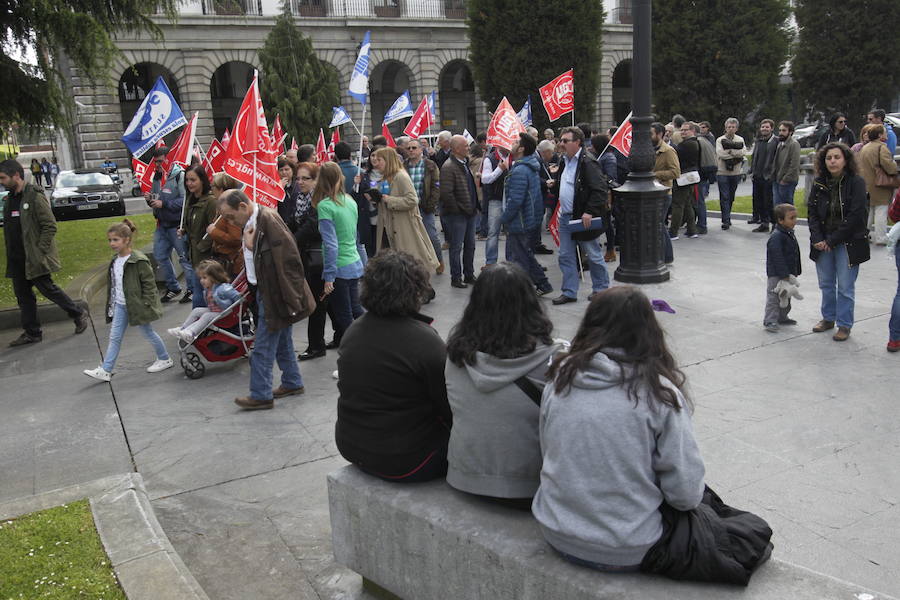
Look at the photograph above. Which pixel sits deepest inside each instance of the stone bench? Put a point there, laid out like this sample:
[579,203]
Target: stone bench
[430,542]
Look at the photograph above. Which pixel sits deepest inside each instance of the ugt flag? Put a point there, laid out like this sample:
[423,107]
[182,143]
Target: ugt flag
[420,121]
[339,116]
[558,96]
[139,169]
[216,155]
[359,80]
[504,129]
[622,138]
[181,151]
[321,149]
[525,113]
[400,109]
[158,115]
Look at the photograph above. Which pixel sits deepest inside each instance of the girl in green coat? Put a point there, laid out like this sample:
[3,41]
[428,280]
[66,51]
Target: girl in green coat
[131,300]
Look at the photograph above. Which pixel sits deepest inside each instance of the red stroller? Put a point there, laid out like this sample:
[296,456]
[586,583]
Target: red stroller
[229,336]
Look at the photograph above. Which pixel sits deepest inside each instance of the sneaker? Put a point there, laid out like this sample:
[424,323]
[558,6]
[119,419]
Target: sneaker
[99,373]
[842,334]
[823,325]
[893,346]
[81,322]
[175,331]
[185,336]
[169,296]
[771,327]
[543,290]
[457,283]
[188,296]
[693,236]
[334,374]
[787,322]
[24,339]
[673,237]
[160,365]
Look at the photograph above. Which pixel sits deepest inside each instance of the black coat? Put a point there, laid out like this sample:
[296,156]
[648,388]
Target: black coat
[854,202]
[591,192]
[782,253]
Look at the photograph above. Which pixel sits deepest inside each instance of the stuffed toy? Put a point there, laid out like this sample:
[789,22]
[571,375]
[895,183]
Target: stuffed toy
[787,289]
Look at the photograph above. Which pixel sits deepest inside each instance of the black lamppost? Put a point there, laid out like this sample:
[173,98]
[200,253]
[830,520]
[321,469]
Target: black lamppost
[642,197]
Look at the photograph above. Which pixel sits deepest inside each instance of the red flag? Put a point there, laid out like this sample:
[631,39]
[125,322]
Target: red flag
[278,134]
[622,138]
[321,149]
[181,150]
[420,121]
[558,96]
[160,143]
[204,160]
[387,135]
[294,145]
[216,156]
[553,225]
[505,126]
[250,158]
[140,170]
[226,138]
[335,140]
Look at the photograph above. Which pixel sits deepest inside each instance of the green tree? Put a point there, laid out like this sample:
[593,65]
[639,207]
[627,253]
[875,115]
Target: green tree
[513,51]
[845,58]
[714,59]
[293,82]
[82,31]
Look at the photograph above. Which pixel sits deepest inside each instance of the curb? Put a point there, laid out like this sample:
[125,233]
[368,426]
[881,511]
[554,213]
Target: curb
[145,563]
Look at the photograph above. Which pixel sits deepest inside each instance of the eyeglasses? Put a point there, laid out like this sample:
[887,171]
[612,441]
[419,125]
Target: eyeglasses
[566,140]
[842,120]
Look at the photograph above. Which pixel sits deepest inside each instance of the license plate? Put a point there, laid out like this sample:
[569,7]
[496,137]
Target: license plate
[87,206]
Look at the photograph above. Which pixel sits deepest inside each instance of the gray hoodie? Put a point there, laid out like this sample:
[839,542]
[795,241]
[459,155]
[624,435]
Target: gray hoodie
[608,465]
[494,449]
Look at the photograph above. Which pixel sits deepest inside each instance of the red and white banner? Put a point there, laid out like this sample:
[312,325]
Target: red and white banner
[335,140]
[204,160]
[558,96]
[141,172]
[181,151]
[387,135]
[505,126]
[226,138]
[250,157]
[621,139]
[278,135]
[553,225]
[420,121]
[216,156]
[321,149]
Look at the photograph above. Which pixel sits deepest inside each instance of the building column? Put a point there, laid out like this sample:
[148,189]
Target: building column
[194,83]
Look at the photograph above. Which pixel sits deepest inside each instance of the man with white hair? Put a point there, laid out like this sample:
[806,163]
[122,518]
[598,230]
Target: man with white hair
[730,154]
[402,142]
[459,210]
[443,144]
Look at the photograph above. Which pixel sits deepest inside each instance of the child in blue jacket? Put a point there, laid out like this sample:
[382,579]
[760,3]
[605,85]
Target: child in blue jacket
[219,296]
[782,261]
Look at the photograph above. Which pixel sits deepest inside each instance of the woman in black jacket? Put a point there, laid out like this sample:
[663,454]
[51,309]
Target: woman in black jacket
[837,234]
[837,132]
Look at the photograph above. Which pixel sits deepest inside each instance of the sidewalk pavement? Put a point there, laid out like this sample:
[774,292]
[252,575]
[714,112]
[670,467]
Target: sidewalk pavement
[793,426]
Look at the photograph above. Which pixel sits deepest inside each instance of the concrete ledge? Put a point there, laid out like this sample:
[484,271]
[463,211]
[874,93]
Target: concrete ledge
[144,560]
[430,542]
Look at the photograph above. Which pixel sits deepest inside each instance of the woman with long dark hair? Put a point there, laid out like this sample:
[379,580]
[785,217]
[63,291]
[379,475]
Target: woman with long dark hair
[837,132]
[837,234]
[225,236]
[393,420]
[288,173]
[497,359]
[201,212]
[620,462]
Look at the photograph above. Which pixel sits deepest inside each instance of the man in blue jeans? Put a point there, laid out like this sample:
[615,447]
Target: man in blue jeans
[786,165]
[427,180]
[459,210]
[167,199]
[274,269]
[494,170]
[583,193]
[730,154]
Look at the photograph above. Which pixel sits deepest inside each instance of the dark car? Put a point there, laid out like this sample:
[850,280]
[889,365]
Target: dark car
[85,193]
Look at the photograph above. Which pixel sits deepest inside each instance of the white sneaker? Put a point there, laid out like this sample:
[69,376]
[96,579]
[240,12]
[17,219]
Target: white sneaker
[335,374]
[99,373]
[185,336]
[160,365]
[175,331]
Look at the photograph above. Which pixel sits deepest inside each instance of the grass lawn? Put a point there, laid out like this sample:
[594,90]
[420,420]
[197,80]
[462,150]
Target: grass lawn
[57,554]
[744,204]
[82,246]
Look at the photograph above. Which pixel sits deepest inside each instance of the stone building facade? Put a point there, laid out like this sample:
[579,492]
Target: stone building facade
[208,57]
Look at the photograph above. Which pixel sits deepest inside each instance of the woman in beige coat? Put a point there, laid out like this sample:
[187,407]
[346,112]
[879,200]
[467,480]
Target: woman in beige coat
[399,221]
[873,157]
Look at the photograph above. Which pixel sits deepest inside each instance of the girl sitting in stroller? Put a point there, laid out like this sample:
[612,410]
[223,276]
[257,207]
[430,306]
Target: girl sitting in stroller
[219,296]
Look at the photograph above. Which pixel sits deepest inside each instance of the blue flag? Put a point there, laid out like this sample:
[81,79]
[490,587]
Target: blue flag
[157,116]
[359,80]
[401,108]
[525,114]
[339,116]
[431,106]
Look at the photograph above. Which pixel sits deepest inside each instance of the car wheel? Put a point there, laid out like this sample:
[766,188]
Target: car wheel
[121,210]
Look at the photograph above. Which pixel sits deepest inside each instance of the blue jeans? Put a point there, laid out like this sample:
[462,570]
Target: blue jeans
[894,323]
[268,347]
[164,240]
[428,221]
[727,187]
[568,263]
[783,193]
[343,305]
[491,247]
[460,232]
[483,217]
[520,250]
[117,331]
[837,280]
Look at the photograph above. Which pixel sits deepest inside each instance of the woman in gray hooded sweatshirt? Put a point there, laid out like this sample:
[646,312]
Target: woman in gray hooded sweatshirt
[502,342]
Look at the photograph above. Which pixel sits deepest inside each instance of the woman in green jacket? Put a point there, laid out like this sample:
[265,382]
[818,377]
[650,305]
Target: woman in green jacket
[201,212]
[131,300]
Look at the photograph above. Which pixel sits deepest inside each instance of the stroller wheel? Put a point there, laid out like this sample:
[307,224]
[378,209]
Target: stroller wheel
[193,366]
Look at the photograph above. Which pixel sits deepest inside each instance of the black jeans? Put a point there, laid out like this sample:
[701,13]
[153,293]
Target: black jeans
[27,301]
[762,200]
[315,328]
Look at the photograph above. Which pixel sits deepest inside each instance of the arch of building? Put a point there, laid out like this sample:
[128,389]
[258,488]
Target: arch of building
[621,90]
[456,91]
[227,88]
[613,99]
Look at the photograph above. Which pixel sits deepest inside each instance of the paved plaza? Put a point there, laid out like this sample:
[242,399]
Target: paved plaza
[793,426]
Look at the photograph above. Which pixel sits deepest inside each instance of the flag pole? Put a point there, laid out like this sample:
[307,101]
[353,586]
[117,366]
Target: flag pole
[254,177]
[363,128]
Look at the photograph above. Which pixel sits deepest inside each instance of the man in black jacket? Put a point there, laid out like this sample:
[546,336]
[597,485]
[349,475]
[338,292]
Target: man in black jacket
[684,196]
[583,194]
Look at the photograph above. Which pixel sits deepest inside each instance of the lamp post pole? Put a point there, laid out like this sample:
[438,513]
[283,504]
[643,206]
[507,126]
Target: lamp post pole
[641,197]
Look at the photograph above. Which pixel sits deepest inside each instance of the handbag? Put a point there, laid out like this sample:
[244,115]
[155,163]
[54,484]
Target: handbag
[689,178]
[312,259]
[882,179]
